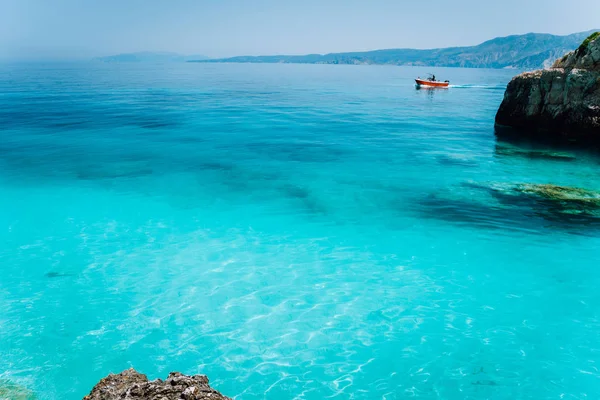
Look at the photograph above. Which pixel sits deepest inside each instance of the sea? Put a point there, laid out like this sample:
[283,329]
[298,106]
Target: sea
[292,232]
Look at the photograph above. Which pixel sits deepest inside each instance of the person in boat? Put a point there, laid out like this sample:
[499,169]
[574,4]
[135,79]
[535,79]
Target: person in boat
[433,78]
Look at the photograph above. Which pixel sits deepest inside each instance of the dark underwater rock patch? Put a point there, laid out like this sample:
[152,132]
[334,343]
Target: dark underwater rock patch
[555,198]
[474,212]
[54,274]
[535,154]
[516,206]
[307,198]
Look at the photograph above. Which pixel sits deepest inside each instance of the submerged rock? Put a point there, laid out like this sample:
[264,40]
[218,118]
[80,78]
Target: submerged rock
[563,194]
[563,101]
[514,206]
[553,198]
[130,385]
[12,391]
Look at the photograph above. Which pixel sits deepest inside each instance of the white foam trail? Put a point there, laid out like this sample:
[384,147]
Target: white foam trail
[493,87]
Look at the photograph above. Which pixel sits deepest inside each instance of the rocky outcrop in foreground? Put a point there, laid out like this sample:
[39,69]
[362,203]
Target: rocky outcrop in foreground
[131,385]
[563,101]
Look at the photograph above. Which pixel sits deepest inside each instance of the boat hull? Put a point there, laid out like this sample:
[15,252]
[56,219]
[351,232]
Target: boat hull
[423,82]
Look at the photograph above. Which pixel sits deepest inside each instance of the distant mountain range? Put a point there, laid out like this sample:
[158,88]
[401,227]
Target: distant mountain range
[147,56]
[529,51]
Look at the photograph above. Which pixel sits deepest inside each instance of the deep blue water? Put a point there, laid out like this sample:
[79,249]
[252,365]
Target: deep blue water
[292,231]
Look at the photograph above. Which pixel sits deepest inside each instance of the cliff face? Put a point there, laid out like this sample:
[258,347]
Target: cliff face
[131,385]
[562,101]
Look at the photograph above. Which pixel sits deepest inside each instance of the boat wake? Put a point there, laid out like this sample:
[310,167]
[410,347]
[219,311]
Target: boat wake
[489,87]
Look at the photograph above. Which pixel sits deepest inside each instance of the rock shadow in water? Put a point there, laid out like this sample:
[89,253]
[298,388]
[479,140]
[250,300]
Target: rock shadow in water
[307,198]
[513,151]
[470,212]
[262,184]
[539,146]
[59,116]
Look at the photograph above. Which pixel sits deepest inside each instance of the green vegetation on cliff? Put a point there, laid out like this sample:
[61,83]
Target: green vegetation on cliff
[583,47]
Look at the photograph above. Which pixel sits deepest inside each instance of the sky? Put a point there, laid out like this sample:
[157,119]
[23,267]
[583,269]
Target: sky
[73,29]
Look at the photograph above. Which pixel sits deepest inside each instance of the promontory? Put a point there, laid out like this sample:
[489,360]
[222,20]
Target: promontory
[560,102]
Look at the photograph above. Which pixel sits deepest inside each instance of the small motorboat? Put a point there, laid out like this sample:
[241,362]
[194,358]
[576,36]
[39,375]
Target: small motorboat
[432,82]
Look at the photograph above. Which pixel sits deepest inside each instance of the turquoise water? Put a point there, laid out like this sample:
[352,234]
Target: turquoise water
[292,231]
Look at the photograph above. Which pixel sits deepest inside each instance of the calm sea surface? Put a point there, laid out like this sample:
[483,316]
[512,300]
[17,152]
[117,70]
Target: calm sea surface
[292,231]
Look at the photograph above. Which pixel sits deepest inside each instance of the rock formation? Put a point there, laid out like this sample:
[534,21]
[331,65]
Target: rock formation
[131,385]
[562,101]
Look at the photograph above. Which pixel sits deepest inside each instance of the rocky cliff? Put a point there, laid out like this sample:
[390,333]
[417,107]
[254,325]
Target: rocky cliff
[562,101]
[131,385]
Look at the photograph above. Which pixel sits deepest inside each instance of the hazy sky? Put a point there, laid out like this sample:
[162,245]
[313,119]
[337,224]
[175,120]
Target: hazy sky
[85,28]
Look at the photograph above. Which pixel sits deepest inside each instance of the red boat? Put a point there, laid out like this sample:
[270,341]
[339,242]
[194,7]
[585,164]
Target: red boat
[432,82]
